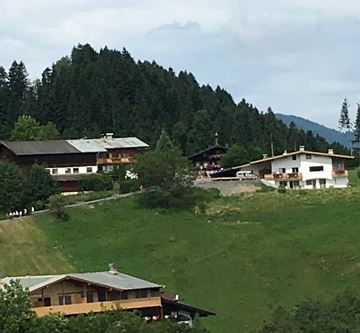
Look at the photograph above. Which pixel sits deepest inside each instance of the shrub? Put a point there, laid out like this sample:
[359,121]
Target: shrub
[98,182]
[179,198]
[57,207]
[129,185]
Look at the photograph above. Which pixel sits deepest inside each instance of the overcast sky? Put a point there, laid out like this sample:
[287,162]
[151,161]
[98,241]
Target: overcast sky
[300,57]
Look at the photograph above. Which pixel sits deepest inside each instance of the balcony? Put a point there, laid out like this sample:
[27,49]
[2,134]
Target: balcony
[339,173]
[116,160]
[284,176]
[78,308]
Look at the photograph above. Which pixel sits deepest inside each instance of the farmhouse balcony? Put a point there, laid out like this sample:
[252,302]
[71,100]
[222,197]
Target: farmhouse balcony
[116,160]
[79,308]
[284,176]
[339,173]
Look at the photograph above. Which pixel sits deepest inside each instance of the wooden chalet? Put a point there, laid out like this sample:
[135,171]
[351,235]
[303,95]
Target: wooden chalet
[82,293]
[207,160]
[58,156]
[69,160]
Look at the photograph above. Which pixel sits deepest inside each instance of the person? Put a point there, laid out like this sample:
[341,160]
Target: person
[32,210]
[25,211]
[20,213]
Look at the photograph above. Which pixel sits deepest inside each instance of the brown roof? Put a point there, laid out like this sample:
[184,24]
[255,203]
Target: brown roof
[40,147]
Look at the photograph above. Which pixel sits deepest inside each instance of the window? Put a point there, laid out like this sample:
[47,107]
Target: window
[101,295]
[54,171]
[309,182]
[295,170]
[89,169]
[68,170]
[113,295]
[141,293]
[124,294]
[66,299]
[47,301]
[296,183]
[308,156]
[75,170]
[316,168]
[155,292]
[294,157]
[90,297]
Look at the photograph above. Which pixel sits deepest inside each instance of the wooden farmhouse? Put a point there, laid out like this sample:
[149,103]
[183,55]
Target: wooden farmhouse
[207,160]
[82,293]
[69,160]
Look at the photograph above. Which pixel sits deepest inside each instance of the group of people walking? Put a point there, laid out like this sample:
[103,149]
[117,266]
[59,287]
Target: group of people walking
[20,213]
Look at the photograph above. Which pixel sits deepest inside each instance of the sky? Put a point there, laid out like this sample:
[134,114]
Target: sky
[299,57]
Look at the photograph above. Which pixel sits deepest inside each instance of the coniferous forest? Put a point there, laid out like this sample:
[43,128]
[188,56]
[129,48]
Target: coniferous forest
[90,92]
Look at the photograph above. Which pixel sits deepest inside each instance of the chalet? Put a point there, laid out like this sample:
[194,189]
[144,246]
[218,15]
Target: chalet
[208,160]
[115,151]
[69,160]
[301,169]
[82,293]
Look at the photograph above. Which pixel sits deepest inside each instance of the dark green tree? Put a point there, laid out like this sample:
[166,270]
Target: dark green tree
[15,308]
[40,184]
[357,123]
[12,187]
[344,120]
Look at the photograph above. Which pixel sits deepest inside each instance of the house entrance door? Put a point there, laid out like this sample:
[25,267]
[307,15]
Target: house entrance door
[314,183]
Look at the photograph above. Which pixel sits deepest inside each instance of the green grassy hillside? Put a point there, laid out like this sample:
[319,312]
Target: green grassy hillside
[242,259]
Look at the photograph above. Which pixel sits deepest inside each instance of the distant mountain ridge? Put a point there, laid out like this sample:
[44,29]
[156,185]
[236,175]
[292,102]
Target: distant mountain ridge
[329,134]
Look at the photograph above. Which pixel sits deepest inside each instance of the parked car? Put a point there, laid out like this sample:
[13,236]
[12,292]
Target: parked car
[246,175]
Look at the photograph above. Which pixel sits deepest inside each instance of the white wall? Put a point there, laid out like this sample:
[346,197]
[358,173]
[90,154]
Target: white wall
[82,170]
[304,165]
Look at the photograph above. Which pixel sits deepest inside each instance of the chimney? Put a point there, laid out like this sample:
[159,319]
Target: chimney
[285,152]
[301,148]
[216,139]
[331,151]
[264,156]
[108,136]
[112,269]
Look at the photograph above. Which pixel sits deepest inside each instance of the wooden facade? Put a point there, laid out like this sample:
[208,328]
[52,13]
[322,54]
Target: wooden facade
[82,293]
[71,296]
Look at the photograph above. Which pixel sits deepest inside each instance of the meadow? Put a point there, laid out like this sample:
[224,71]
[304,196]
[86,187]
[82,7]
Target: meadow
[241,259]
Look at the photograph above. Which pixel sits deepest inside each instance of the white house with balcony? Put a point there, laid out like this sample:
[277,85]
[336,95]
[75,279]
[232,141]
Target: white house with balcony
[302,169]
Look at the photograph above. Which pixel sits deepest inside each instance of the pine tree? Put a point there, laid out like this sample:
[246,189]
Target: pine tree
[344,120]
[164,143]
[357,124]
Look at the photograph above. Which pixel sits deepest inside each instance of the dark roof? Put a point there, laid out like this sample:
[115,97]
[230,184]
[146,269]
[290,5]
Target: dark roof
[181,306]
[40,147]
[208,149]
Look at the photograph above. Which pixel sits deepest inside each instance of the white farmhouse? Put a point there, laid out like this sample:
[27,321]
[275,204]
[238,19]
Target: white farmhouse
[302,169]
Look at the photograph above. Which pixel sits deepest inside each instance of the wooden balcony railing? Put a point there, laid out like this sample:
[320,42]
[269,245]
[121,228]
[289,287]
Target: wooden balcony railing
[339,173]
[116,160]
[285,176]
[78,308]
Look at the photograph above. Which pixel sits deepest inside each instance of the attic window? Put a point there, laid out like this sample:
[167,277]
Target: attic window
[308,156]
[294,157]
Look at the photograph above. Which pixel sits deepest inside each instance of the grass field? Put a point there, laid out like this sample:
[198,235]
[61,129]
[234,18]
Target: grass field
[246,256]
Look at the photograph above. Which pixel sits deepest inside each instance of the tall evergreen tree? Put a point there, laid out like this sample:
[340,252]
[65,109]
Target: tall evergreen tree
[357,124]
[344,120]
